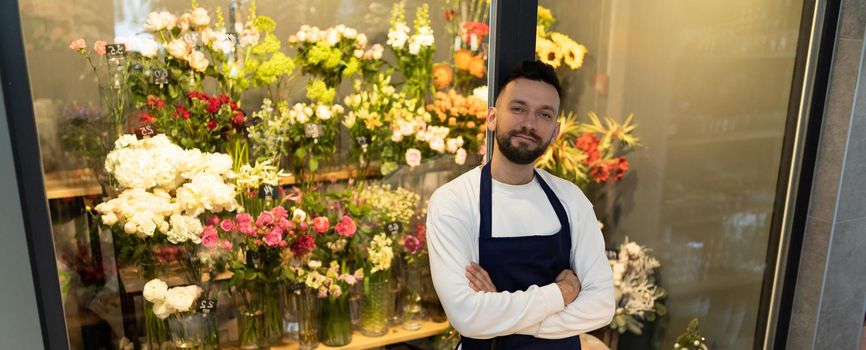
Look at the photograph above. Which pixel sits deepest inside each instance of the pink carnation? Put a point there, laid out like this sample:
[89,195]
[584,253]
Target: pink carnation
[99,47]
[265,219]
[78,45]
[346,227]
[209,237]
[280,212]
[273,238]
[227,225]
[411,244]
[244,218]
[321,224]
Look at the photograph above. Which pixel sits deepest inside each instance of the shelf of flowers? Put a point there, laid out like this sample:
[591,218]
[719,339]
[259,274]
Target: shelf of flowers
[360,341]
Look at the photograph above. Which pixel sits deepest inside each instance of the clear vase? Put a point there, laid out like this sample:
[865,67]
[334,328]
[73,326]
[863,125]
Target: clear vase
[336,321]
[249,300]
[397,289]
[412,297]
[156,331]
[211,331]
[376,295]
[309,318]
[187,331]
[273,313]
[289,308]
[432,308]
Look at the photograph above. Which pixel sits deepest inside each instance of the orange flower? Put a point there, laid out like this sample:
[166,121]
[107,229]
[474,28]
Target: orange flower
[477,67]
[462,59]
[442,76]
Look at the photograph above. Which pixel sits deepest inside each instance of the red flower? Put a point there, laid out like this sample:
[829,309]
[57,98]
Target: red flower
[181,111]
[620,166]
[234,106]
[587,141]
[321,224]
[147,118]
[155,102]
[478,29]
[303,245]
[211,124]
[197,95]
[346,227]
[422,233]
[600,173]
[411,244]
[214,104]
[238,119]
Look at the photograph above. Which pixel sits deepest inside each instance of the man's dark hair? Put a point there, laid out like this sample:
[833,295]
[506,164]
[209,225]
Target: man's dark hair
[533,70]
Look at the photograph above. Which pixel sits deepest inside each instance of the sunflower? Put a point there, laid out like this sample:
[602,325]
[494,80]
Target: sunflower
[548,52]
[573,56]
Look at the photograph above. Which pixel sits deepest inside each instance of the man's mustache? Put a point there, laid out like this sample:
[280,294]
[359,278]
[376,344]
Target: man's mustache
[527,133]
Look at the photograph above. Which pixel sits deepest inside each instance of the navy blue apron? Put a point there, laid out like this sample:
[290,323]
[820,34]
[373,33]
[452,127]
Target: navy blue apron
[516,263]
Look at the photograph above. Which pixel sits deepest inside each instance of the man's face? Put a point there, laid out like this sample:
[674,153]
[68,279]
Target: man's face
[524,119]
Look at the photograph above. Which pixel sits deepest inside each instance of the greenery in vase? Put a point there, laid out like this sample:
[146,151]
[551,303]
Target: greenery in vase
[692,338]
[638,296]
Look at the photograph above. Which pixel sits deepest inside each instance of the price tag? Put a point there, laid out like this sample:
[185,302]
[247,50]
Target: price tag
[145,131]
[295,286]
[361,140]
[395,228]
[312,131]
[160,76]
[233,38]
[191,38]
[207,305]
[269,192]
[115,50]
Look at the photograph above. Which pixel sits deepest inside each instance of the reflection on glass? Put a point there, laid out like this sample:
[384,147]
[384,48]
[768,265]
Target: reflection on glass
[708,83]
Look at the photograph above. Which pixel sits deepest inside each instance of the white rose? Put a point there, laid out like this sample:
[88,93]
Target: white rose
[362,39]
[109,219]
[333,38]
[162,310]
[183,22]
[480,93]
[157,21]
[169,19]
[200,17]
[208,36]
[154,290]
[182,298]
[460,157]
[197,61]
[437,145]
[359,53]
[323,112]
[179,49]
[350,33]
[377,53]
[148,47]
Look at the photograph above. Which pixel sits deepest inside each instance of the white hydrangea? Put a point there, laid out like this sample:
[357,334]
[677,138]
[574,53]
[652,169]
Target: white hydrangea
[138,211]
[206,192]
[184,228]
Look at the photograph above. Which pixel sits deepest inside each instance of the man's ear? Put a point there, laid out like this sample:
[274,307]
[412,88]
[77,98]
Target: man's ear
[491,119]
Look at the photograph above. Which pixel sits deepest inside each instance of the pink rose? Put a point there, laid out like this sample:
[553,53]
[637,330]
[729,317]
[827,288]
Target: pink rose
[209,237]
[280,212]
[413,157]
[321,224]
[227,225]
[227,245]
[214,220]
[99,47]
[244,218]
[265,219]
[346,227]
[247,228]
[303,226]
[273,238]
[78,45]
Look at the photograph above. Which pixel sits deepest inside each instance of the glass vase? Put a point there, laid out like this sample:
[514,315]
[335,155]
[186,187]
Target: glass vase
[249,299]
[376,295]
[289,308]
[156,331]
[432,308]
[336,321]
[412,297]
[309,318]
[273,313]
[187,331]
[211,331]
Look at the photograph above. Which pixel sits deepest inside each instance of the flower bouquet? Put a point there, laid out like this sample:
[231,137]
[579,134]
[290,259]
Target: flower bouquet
[200,121]
[331,54]
[638,297]
[188,329]
[592,152]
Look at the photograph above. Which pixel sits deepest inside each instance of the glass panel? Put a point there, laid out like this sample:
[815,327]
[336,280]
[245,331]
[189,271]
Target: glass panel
[708,84]
[84,98]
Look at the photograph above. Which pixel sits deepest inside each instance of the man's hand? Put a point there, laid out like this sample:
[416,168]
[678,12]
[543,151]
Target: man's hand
[569,285]
[479,280]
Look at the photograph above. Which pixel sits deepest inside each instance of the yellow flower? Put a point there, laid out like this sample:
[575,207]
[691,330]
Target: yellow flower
[573,56]
[548,53]
[545,17]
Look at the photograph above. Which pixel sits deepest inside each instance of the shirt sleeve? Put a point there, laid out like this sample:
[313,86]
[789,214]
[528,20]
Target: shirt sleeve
[474,314]
[595,304]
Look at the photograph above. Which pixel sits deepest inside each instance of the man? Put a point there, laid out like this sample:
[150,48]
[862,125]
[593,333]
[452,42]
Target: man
[506,239]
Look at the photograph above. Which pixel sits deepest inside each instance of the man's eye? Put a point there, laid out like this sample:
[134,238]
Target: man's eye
[517,109]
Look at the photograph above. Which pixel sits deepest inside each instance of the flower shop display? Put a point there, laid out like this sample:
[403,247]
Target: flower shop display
[200,121]
[188,329]
[638,296]
[329,55]
[466,116]
[413,50]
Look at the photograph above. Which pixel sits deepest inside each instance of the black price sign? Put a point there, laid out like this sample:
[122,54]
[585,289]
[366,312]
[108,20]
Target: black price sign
[115,50]
[160,76]
[207,305]
[145,131]
[394,228]
[269,192]
[361,140]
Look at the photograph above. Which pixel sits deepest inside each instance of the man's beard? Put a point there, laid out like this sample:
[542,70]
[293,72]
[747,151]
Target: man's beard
[521,154]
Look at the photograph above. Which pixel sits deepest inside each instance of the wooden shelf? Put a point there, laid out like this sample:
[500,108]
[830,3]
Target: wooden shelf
[359,342]
[71,183]
[343,173]
[133,281]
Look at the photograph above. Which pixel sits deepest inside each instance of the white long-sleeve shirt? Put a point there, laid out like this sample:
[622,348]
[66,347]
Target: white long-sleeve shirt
[453,221]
